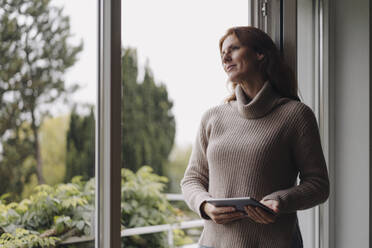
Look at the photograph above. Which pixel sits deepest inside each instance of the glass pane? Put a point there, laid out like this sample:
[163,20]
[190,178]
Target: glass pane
[172,73]
[47,122]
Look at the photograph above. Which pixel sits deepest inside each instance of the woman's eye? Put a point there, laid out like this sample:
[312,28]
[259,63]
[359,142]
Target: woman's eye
[232,48]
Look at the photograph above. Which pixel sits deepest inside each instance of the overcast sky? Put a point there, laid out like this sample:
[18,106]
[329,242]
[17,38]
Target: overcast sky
[180,40]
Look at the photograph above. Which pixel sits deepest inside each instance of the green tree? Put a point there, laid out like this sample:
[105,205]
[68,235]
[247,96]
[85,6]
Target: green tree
[53,148]
[16,166]
[53,152]
[80,146]
[35,52]
[148,123]
[175,168]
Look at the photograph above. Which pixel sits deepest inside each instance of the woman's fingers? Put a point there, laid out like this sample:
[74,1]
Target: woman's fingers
[273,204]
[265,215]
[257,216]
[212,210]
[222,210]
[252,213]
[225,218]
[222,215]
[236,218]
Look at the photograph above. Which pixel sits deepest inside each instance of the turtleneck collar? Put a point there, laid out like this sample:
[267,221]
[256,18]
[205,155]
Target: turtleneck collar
[260,105]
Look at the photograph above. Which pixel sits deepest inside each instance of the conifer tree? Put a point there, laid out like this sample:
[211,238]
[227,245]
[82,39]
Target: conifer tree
[80,150]
[147,119]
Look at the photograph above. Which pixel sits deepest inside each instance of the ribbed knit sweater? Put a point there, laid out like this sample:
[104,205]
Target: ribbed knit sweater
[256,147]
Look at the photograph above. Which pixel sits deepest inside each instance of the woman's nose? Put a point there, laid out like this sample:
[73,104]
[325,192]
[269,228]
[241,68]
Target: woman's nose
[226,58]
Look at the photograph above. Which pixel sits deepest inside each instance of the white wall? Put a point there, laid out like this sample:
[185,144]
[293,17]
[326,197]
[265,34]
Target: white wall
[351,94]
[306,80]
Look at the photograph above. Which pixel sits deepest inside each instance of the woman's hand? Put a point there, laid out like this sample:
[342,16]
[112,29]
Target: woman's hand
[222,215]
[261,216]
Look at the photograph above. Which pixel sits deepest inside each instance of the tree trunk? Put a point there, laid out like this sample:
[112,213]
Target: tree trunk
[39,162]
[39,166]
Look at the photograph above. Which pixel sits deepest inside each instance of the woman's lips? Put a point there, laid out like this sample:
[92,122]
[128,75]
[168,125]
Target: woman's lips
[230,67]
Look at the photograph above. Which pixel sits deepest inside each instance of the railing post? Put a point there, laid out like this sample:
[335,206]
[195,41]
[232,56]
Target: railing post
[170,237]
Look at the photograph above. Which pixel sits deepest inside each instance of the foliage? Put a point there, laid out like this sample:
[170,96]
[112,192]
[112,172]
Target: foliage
[52,213]
[80,146]
[16,164]
[53,148]
[35,52]
[148,126]
[143,203]
[148,123]
[175,168]
[25,238]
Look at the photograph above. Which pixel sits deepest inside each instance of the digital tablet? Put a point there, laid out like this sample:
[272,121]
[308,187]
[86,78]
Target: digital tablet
[239,203]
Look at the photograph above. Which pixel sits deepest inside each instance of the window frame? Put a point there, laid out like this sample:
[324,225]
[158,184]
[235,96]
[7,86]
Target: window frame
[108,126]
[279,20]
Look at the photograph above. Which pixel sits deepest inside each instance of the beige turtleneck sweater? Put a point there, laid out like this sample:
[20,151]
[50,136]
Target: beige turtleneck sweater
[256,148]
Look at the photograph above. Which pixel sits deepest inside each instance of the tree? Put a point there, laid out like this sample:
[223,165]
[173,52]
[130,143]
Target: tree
[53,148]
[148,123]
[80,146]
[175,168]
[35,52]
[16,165]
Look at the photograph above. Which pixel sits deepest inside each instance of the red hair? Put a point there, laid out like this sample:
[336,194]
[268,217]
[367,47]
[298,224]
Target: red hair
[272,67]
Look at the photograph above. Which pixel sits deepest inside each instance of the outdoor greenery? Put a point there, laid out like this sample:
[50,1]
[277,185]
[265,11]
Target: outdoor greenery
[175,167]
[47,162]
[52,214]
[144,204]
[148,124]
[80,146]
[35,52]
[48,215]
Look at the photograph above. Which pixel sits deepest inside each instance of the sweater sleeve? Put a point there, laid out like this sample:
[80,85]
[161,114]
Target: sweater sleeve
[194,184]
[308,156]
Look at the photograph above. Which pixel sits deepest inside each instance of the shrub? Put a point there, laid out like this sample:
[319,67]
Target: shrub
[53,213]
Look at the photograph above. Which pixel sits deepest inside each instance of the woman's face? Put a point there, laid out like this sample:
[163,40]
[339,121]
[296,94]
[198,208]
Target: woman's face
[239,62]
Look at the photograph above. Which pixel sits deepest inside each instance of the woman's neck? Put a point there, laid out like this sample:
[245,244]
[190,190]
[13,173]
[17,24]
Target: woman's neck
[252,86]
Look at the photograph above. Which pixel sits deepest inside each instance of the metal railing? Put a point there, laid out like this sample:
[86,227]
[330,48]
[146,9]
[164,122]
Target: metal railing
[150,229]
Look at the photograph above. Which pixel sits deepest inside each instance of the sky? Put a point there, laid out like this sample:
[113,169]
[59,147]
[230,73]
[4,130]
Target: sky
[180,41]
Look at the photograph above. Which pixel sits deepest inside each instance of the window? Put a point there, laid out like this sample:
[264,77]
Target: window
[47,122]
[172,72]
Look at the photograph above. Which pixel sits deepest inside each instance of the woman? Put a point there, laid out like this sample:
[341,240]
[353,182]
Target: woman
[255,144]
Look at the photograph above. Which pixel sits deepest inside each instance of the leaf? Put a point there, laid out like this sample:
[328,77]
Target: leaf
[80,225]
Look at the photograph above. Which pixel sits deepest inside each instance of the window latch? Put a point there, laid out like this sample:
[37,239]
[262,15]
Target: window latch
[264,9]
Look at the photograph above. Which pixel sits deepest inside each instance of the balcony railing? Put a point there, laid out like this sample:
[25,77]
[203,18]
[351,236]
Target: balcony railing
[150,229]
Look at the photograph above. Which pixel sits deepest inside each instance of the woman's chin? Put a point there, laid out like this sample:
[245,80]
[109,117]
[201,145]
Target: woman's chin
[234,79]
